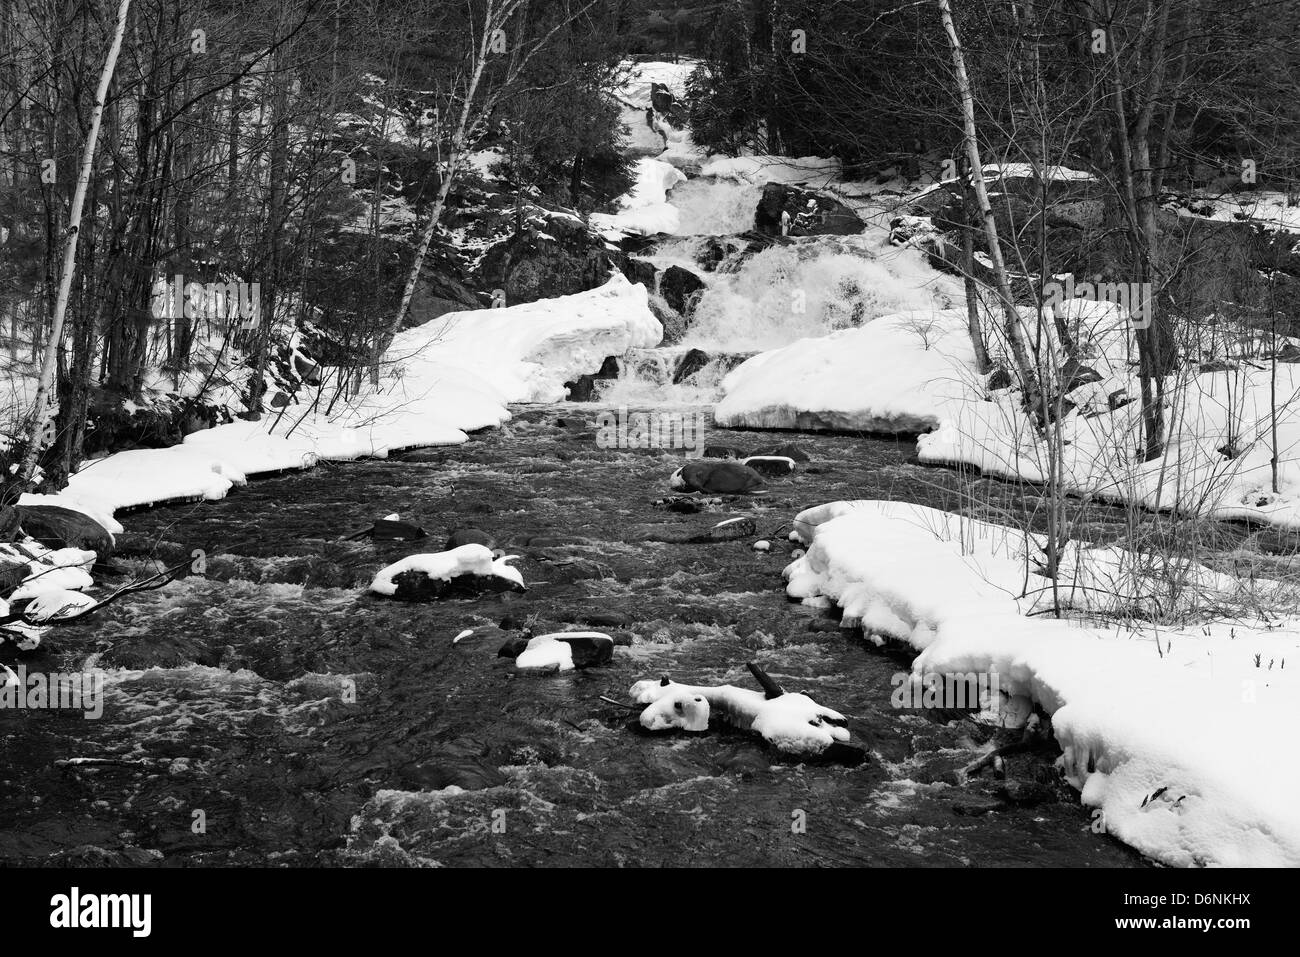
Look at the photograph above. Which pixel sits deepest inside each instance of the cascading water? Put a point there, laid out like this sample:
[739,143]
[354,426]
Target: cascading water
[757,299]
[712,207]
[813,286]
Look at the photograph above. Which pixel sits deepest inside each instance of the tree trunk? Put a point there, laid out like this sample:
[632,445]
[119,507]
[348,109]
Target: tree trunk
[40,412]
[1015,336]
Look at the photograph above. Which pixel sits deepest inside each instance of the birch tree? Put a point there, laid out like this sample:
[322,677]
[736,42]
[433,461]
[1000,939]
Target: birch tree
[479,99]
[40,407]
[1014,332]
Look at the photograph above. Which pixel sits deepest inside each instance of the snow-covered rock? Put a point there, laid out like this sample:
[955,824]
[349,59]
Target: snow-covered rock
[55,604]
[880,377]
[442,568]
[566,650]
[793,723]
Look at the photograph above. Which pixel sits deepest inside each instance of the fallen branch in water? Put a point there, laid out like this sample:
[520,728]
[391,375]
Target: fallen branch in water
[152,583]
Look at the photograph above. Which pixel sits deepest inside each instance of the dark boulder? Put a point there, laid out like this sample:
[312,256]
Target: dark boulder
[12,573]
[10,526]
[661,98]
[636,270]
[674,323]
[558,257]
[514,646]
[999,379]
[1075,374]
[689,364]
[811,213]
[680,288]
[589,650]
[770,465]
[390,530]
[717,477]
[469,536]
[584,389]
[58,527]
[417,586]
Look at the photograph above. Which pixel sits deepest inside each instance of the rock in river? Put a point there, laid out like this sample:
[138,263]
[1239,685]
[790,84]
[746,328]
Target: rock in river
[717,477]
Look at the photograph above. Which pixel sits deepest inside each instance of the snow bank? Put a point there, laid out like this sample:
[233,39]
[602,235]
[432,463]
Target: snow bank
[441,380]
[760,169]
[526,353]
[876,378]
[1182,739]
[1217,461]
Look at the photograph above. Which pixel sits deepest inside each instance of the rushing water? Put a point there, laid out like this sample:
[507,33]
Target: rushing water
[231,695]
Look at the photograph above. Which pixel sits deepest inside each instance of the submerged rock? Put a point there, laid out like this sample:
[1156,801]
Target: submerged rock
[722,452]
[729,530]
[789,450]
[469,536]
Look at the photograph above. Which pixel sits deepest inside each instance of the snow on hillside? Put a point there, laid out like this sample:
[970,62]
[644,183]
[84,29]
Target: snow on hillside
[759,169]
[1162,730]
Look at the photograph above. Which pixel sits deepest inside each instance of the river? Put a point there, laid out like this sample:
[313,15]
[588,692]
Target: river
[272,712]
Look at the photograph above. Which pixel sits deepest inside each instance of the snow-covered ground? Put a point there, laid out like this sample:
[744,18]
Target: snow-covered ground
[1181,738]
[440,380]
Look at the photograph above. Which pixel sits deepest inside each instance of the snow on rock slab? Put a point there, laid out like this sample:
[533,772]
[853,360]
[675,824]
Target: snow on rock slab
[55,604]
[1180,737]
[461,572]
[526,353]
[147,476]
[900,373]
[760,169]
[566,650]
[47,570]
[793,723]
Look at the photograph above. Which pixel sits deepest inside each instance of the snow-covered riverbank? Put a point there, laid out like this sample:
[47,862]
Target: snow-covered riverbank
[1179,737]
